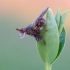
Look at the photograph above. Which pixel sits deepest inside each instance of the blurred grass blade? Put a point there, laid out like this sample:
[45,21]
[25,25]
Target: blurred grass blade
[57,17]
[62,20]
[49,51]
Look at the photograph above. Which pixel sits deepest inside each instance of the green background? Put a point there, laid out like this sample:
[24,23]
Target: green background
[22,54]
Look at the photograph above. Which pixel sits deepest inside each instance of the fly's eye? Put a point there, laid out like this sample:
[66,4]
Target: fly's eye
[22,35]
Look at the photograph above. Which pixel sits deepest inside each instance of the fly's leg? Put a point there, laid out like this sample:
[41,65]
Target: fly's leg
[44,30]
[39,37]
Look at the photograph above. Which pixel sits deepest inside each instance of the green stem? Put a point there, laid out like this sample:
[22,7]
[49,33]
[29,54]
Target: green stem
[48,66]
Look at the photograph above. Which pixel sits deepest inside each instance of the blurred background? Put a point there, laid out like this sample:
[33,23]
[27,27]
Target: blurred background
[22,54]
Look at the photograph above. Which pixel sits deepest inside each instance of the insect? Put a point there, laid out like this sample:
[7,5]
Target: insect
[34,29]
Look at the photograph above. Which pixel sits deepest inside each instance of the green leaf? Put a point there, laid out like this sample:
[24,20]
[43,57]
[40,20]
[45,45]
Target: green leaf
[62,20]
[62,40]
[49,51]
[57,17]
[62,35]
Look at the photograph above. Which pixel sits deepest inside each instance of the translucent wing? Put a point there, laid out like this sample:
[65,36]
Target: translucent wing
[40,16]
[22,35]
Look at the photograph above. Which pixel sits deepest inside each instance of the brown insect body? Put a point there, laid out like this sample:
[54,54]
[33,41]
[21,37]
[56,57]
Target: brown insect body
[34,28]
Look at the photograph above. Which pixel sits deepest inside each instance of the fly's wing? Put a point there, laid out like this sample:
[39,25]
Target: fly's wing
[40,16]
[22,35]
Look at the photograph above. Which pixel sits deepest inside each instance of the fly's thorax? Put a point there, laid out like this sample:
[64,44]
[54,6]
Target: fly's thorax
[29,26]
[33,31]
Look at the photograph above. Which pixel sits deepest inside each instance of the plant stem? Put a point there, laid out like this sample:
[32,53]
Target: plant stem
[48,66]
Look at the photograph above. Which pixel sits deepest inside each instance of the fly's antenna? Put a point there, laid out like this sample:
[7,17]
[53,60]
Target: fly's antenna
[17,29]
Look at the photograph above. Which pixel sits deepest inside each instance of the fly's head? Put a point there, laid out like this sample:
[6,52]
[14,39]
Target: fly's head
[22,32]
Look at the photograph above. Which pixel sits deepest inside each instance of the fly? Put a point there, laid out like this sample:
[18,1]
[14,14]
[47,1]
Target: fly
[34,29]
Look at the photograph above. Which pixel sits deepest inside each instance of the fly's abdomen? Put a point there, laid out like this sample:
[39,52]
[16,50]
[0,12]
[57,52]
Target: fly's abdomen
[41,22]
